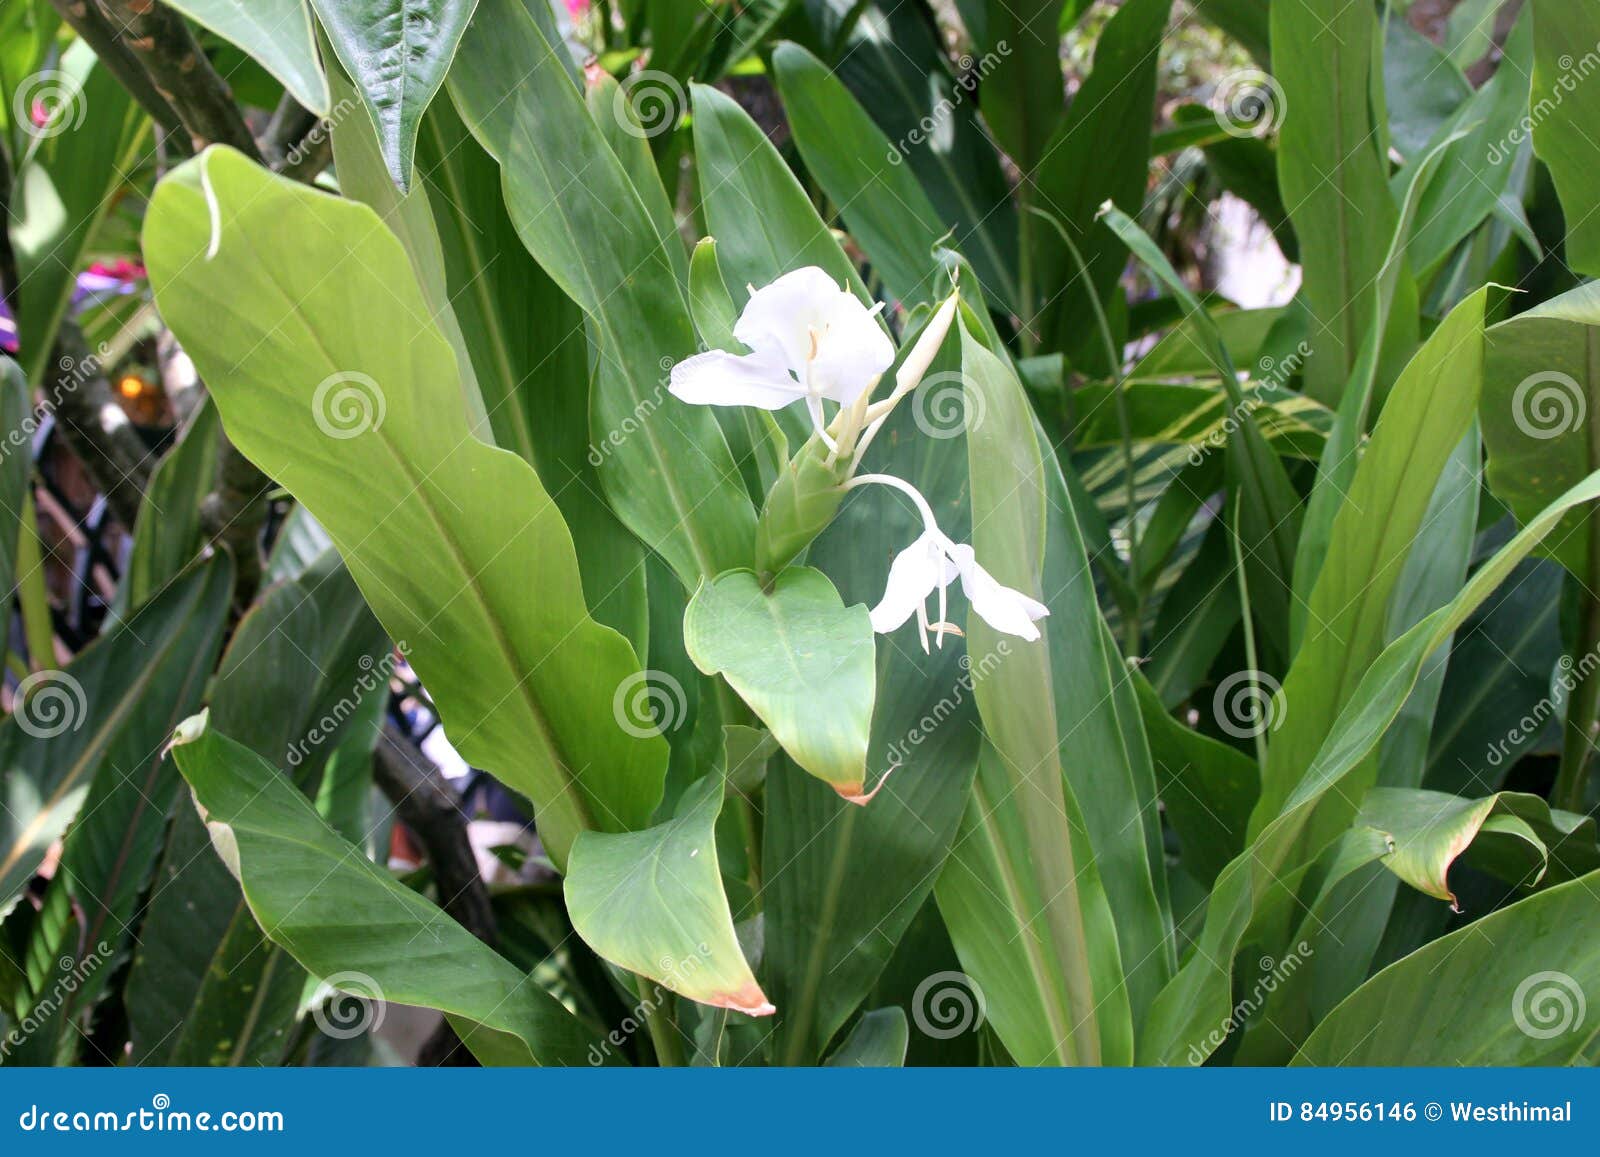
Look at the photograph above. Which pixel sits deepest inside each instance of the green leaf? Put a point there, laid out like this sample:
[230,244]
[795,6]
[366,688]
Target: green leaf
[1432,830]
[1483,995]
[168,533]
[305,673]
[1100,153]
[398,52]
[329,378]
[1067,771]
[1022,98]
[1541,391]
[1564,113]
[15,472]
[890,57]
[62,192]
[881,201]
[762,219]
[800,658]
[94,728]
[1199,996]
[1422,88]
[665,466]
[350,923]
[1334,179]
[878,1041]
[652,902]
[1428,413]
[277,33]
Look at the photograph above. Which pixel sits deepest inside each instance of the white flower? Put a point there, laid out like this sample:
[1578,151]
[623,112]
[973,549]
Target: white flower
[932,563]
[809,338]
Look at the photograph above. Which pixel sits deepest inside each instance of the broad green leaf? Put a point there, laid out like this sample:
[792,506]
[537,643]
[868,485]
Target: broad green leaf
[1428,413]
[1333,177]
[276,33]
[800,658]
[842,883]
[890,57]
[878,1041]
[1564,111]
[1541,398]
[398,52]
[761,217]
[1199,996]
[1244,20]
[94,728]
[880,200]
[652,902]
[306,672]
[1422,88]
[1022,97]
[1067,768]
[526,341]
[349,922]
[665,466]
[456,546]
[168,534]
[62,191]
[1509,989]
[617,118]
[1100,153]
[1432,830]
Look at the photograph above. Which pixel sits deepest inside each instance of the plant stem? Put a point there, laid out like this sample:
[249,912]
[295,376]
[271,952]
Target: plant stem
[663,1030]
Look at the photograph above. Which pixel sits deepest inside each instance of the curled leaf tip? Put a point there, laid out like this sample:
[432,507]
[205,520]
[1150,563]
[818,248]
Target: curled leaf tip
[749,1000]
[187,731]
[854,793]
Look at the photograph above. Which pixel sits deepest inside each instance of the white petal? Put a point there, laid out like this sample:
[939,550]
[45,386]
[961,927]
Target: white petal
[1002,608]
[818,328]
[724,379]
[917,571]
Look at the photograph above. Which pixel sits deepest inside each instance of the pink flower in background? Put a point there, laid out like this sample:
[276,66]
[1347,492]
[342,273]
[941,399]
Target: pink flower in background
[576,8]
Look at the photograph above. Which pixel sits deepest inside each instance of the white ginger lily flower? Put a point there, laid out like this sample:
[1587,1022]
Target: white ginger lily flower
[810,339]
[932,563]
